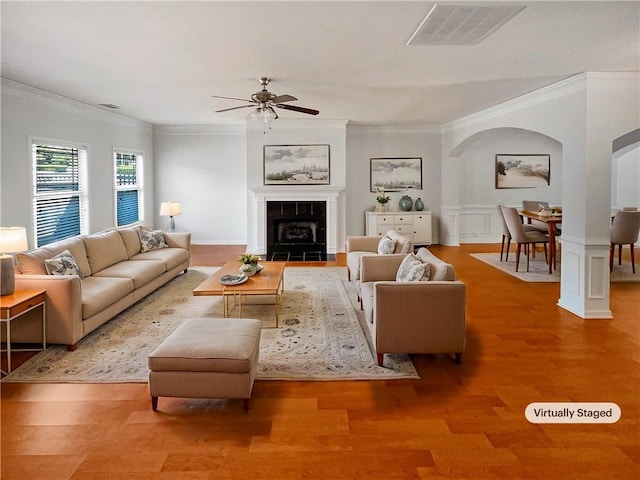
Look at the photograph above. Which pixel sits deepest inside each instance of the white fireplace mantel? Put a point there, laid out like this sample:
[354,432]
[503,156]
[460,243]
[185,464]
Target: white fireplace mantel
[257,231]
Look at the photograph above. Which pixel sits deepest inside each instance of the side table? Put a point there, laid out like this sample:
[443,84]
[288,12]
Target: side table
[15,305]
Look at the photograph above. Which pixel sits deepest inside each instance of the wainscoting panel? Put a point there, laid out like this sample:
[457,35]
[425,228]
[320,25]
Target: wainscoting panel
[473,224]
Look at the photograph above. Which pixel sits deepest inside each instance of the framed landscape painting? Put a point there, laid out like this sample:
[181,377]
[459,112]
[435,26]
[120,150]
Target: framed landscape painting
[396,173]
[296,164]
[522,171]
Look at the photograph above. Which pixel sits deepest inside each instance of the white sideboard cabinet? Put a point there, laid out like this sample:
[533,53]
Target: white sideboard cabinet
[415,225]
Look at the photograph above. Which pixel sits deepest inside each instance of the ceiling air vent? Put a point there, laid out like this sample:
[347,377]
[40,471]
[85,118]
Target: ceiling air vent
[109,105]
[462,24]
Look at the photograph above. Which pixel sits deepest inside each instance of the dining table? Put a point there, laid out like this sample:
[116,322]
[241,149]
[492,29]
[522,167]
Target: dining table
[551,220]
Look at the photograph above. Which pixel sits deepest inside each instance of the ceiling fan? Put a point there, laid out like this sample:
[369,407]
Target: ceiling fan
[264,101]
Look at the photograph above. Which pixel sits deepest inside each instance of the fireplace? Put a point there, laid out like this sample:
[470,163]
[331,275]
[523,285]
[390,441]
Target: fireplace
[259,228]
[296,230]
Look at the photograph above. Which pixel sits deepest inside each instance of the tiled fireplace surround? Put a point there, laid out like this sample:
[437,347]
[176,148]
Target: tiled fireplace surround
[257,231]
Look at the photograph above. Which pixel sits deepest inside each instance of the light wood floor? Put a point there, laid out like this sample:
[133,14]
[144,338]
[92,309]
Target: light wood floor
[462,422]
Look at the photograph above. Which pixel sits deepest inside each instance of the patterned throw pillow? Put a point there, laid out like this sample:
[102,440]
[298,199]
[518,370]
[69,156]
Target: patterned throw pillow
[151,239]
[63,264]
[386,245]
[412,270]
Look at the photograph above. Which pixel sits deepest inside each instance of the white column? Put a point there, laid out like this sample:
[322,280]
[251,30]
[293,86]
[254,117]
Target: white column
[586,197]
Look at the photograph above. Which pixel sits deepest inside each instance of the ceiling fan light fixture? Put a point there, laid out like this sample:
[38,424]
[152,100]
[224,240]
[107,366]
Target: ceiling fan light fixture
[265,114]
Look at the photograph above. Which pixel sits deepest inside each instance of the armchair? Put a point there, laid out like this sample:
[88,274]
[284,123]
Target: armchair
[359,246]
[413,317]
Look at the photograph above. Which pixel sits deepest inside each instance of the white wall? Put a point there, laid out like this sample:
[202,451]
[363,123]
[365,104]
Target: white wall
[477,179]
[204,168]
[28,112]
[366,142]
[625,191]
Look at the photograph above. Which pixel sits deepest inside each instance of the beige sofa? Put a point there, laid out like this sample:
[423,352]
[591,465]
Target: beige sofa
[359,246]
[116,275]
[413,317]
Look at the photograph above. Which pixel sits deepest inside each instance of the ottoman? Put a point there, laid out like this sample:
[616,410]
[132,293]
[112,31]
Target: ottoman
[206,358]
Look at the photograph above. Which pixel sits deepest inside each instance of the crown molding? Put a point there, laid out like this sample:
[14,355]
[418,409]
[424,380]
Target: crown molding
[93,112]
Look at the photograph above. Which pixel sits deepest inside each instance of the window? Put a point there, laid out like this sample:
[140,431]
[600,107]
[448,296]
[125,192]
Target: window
[128,186]
[59,191]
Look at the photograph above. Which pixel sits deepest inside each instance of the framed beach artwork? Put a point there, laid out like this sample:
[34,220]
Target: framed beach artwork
[296,165]
[522,170]
[396,173]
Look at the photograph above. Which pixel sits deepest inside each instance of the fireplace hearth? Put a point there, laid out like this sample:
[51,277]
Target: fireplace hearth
[296,230]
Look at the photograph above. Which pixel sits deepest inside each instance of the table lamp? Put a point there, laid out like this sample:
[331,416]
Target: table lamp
[170,209]
[12,240]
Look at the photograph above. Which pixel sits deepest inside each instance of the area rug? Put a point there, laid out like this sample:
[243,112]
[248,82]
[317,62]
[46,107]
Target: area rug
[319,335]
[539,270]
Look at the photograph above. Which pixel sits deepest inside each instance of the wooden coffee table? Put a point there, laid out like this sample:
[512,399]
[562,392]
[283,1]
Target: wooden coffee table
[270,281]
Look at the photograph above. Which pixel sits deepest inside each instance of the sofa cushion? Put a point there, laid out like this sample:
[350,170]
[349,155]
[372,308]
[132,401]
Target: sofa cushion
[104,249]
[131,240]
[140,272]
[366,295]
[353,262]
[171,257]
[151,239]
[439,270]
[32,262]
[412,269]
[99,293]
[403,244]
[387,245]
[63,264]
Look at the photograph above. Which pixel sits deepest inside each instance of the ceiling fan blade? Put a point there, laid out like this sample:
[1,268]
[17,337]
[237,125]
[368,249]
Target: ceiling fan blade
[295,108]
[234,108]
[231,98]
[283,98]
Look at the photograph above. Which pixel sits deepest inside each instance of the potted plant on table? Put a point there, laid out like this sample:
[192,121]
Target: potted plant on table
[249,263]
[382,198]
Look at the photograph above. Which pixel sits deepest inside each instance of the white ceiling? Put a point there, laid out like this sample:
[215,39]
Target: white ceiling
[162,61]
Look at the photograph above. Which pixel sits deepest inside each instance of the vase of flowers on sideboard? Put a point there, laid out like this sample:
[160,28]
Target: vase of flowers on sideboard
[382,198]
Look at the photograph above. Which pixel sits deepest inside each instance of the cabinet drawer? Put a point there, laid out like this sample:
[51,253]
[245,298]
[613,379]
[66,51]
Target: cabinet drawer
[405,230]
[385,220]
[404,220]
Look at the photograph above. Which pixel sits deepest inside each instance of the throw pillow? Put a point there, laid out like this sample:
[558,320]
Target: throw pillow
[412,270]
[63,264]
[151,239]
[386,245]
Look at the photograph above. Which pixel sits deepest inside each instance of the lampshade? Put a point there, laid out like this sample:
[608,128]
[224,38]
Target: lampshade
[13,239]
[170,208]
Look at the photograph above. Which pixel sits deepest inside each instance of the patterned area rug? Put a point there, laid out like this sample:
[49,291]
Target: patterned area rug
[539,270]
[319,336]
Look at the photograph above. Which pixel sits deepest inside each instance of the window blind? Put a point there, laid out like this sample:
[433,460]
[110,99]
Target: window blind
[59,199]
[128,185]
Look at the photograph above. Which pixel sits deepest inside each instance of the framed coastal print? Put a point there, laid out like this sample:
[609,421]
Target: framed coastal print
[522,170]
[296,165]
[396,173]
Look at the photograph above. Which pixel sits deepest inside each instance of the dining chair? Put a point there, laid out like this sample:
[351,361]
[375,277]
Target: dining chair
[521,236]
[624,230]
[507,236]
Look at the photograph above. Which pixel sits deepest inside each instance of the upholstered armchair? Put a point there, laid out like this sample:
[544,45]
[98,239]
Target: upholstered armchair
[413,317]
[359,246]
